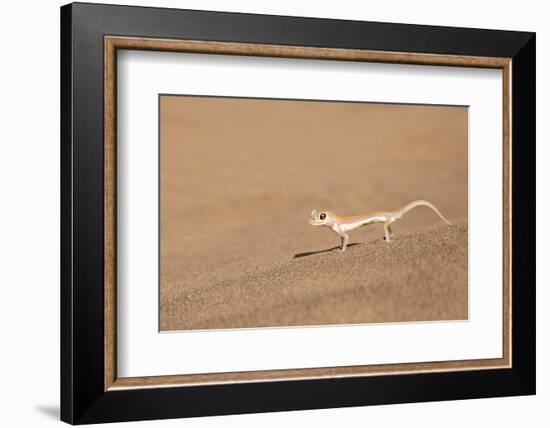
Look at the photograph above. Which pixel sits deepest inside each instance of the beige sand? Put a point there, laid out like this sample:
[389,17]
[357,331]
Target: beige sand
[239,179]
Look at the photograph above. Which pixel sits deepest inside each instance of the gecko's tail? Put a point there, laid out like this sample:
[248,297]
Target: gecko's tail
[419,203]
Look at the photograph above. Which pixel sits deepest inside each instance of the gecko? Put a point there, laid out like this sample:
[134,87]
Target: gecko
[342,225]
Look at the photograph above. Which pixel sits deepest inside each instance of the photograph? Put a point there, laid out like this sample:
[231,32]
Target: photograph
[290,212]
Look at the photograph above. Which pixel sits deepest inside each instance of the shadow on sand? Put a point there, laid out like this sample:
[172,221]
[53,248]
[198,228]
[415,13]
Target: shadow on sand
[311,253]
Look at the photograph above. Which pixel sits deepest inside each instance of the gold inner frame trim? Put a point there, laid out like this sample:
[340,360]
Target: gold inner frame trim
[113,43]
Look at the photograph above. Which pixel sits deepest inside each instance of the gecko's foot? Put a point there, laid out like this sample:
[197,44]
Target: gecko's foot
[341,250]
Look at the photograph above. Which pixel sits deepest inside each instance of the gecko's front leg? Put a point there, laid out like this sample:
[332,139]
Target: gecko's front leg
[345,239]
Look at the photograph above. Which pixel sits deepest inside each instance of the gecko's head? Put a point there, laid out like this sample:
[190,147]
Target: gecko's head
[321,218]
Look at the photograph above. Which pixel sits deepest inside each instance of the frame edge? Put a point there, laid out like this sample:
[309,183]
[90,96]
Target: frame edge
[524,217]
[66,262]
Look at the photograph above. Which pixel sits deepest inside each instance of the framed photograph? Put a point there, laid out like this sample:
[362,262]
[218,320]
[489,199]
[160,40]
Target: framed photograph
[265,213]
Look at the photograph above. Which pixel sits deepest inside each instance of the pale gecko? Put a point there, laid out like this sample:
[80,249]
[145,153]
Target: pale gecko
[342,225]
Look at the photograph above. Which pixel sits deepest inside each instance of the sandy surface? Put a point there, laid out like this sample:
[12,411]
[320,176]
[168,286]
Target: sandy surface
[239,179]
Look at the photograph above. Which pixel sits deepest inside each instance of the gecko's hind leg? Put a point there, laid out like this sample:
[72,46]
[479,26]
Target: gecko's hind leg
[345,240]
[387,232]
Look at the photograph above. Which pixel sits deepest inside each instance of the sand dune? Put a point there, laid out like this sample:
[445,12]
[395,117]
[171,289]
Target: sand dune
[416,277]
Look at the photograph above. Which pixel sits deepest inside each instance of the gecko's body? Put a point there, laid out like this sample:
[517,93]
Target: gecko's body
[342,225]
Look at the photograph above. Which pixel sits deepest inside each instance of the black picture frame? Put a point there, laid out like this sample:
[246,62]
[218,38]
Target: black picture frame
[83,398]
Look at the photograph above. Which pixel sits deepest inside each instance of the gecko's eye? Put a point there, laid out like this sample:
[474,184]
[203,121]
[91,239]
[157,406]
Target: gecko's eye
[323,216]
